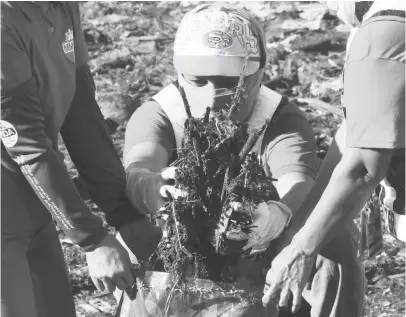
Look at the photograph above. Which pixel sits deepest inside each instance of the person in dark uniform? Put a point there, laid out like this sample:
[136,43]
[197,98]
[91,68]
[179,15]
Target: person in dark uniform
[47,89]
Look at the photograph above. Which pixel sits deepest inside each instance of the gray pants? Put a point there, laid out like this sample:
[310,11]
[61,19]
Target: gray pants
[34,279]
[337,286]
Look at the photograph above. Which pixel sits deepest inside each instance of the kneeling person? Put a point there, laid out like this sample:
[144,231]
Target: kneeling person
[209,54]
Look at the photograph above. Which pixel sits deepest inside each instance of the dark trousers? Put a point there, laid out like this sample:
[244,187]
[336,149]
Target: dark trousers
[34,279]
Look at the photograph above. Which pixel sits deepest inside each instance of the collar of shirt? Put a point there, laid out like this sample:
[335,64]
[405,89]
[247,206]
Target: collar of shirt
[375,8]
[384,5]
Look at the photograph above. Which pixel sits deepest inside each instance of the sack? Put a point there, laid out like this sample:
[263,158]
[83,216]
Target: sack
[395,224]
[158,297]
[371,230]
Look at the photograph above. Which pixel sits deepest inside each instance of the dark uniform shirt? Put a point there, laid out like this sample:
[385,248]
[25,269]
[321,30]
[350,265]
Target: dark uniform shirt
[47,89]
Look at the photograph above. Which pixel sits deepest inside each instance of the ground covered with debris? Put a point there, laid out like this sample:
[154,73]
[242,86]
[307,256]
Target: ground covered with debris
[130,46]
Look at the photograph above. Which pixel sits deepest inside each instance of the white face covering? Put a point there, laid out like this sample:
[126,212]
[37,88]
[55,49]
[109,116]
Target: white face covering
[345,11]
[200,98]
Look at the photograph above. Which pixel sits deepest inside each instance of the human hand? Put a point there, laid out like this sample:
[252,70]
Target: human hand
[288,274]
[110,266]
[148,190]
[167,181]
[269,219]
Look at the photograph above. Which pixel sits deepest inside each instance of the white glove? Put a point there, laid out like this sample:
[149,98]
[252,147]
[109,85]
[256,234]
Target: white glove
[168,174]
[269,220]
[147,190]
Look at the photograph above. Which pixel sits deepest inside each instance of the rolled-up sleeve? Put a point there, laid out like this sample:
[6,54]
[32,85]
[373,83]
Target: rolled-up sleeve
[375,102]
[150,123]
[374,84]
[289,144]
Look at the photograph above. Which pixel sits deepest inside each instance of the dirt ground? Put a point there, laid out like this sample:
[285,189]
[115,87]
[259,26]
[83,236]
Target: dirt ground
[130,47]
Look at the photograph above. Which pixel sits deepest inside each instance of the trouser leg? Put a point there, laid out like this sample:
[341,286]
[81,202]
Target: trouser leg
[337,287]
[34,280]
[53,294]
[17,294]
[321,290]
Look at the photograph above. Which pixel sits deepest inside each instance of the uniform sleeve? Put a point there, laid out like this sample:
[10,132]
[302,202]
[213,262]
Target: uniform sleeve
[375,104]
[374,86]
[91,148]
[24,138]
[150,123]
[81,52]
[289,144]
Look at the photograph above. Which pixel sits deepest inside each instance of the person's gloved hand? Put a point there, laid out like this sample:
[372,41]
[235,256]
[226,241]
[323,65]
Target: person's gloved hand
[168,177]
[141,237]
[147,190]
[269,220]
[110,266]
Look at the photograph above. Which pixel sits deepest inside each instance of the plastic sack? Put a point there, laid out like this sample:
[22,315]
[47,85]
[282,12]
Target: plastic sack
[156,297]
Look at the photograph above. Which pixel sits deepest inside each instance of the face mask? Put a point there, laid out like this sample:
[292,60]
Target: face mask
[345,11]
[200,98]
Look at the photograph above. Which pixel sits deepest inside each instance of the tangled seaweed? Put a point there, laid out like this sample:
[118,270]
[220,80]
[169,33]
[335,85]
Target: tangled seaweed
[216,168]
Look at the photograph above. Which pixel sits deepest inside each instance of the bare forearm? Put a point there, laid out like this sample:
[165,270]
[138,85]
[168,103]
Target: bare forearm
[314,194]
[343,198]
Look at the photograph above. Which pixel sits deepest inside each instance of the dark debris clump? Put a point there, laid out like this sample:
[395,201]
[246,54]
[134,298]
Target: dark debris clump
[216,168]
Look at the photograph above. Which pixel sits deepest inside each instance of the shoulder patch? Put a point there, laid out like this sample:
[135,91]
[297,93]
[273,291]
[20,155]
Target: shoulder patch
[8,134]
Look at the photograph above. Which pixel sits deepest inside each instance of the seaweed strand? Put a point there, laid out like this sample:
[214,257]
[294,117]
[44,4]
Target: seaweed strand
[235,102]
[184,98]
[253,138]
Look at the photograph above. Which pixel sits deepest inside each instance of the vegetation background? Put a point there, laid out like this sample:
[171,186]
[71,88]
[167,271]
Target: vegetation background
[130,46]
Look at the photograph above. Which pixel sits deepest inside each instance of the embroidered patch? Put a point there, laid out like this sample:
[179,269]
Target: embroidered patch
[68,46]
[8,134]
